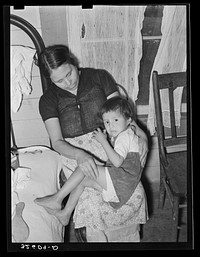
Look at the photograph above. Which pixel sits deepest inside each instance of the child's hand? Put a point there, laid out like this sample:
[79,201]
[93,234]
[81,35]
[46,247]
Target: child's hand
[99,135]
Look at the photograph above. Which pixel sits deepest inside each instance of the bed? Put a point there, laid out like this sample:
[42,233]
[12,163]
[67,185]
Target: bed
[34,173]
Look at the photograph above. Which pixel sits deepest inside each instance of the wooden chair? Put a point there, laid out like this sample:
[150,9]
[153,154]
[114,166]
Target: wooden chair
[173,164]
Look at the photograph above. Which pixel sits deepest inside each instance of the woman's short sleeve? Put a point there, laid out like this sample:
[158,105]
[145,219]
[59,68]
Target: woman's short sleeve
[48,106]
[107,82]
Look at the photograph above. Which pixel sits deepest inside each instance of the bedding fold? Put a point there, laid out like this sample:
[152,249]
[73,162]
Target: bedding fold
[21,70]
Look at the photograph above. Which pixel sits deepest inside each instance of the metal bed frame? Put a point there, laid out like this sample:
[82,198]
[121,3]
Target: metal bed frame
[35,37]
[39,46]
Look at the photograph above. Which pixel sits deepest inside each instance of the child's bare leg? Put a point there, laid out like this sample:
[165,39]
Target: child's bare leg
[65,214]
[54,201]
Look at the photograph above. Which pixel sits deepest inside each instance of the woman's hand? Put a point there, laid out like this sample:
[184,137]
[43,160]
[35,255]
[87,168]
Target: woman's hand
[87,164]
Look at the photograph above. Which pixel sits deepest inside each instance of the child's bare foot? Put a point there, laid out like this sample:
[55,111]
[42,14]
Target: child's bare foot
[50,201]
[61,215]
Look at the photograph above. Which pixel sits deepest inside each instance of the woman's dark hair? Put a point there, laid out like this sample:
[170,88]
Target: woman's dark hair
[118,103]
[54,56]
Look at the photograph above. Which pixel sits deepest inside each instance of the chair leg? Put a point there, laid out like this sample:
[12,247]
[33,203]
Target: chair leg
[162,195]
[80,234]
[175,217]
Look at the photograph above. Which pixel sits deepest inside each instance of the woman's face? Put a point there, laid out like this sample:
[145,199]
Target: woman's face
[66,77]
[115,122]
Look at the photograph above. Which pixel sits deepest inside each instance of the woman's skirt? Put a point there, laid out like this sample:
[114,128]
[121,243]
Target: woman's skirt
[91,211]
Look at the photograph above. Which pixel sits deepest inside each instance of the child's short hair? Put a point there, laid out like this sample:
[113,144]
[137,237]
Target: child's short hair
[118,103]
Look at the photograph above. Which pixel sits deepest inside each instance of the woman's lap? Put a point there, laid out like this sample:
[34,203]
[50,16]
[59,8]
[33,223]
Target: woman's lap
[91,210]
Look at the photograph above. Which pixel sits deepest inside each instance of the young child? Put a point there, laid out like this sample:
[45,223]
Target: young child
[121,174]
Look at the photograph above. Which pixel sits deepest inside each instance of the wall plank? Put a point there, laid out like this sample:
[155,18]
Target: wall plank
[99,54]
[28,111]
[103,22]
[33,141]
[54,24]
[105,37]
[29,129]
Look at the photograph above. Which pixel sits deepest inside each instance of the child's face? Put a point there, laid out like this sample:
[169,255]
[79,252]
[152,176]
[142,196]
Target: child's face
[115,122]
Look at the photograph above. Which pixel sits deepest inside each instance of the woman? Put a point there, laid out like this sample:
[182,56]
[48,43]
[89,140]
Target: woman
[69,110]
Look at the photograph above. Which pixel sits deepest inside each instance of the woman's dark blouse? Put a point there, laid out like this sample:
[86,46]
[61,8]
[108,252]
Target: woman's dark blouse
[78,114]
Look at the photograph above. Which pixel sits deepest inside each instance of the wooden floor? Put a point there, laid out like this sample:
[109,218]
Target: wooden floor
[158,227]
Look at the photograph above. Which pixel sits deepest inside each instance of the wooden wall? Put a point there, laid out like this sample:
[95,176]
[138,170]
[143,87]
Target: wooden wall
[105,37]
[54,25]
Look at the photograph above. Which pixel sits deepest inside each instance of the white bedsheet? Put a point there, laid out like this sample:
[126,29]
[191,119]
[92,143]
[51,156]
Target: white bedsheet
[44,165]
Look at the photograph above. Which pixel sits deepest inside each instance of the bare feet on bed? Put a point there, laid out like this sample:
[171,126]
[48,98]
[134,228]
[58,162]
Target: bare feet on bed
[50,201]
[61,215]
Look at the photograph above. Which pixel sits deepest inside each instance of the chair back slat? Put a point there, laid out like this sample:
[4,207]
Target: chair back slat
[159,119]
[173,141]
[169,81]
[179,80]
[171,109]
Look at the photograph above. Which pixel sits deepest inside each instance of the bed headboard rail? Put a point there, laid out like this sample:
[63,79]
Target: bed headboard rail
[39,46]
[35,37]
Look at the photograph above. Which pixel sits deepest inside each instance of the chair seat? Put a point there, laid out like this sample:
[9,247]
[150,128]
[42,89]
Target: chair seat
[177,172]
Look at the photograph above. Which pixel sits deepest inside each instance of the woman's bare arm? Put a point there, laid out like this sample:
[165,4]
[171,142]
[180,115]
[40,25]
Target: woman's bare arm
[58,143]
[84,160]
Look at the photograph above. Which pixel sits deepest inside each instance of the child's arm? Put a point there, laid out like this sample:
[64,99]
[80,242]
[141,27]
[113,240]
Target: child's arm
[113,156]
